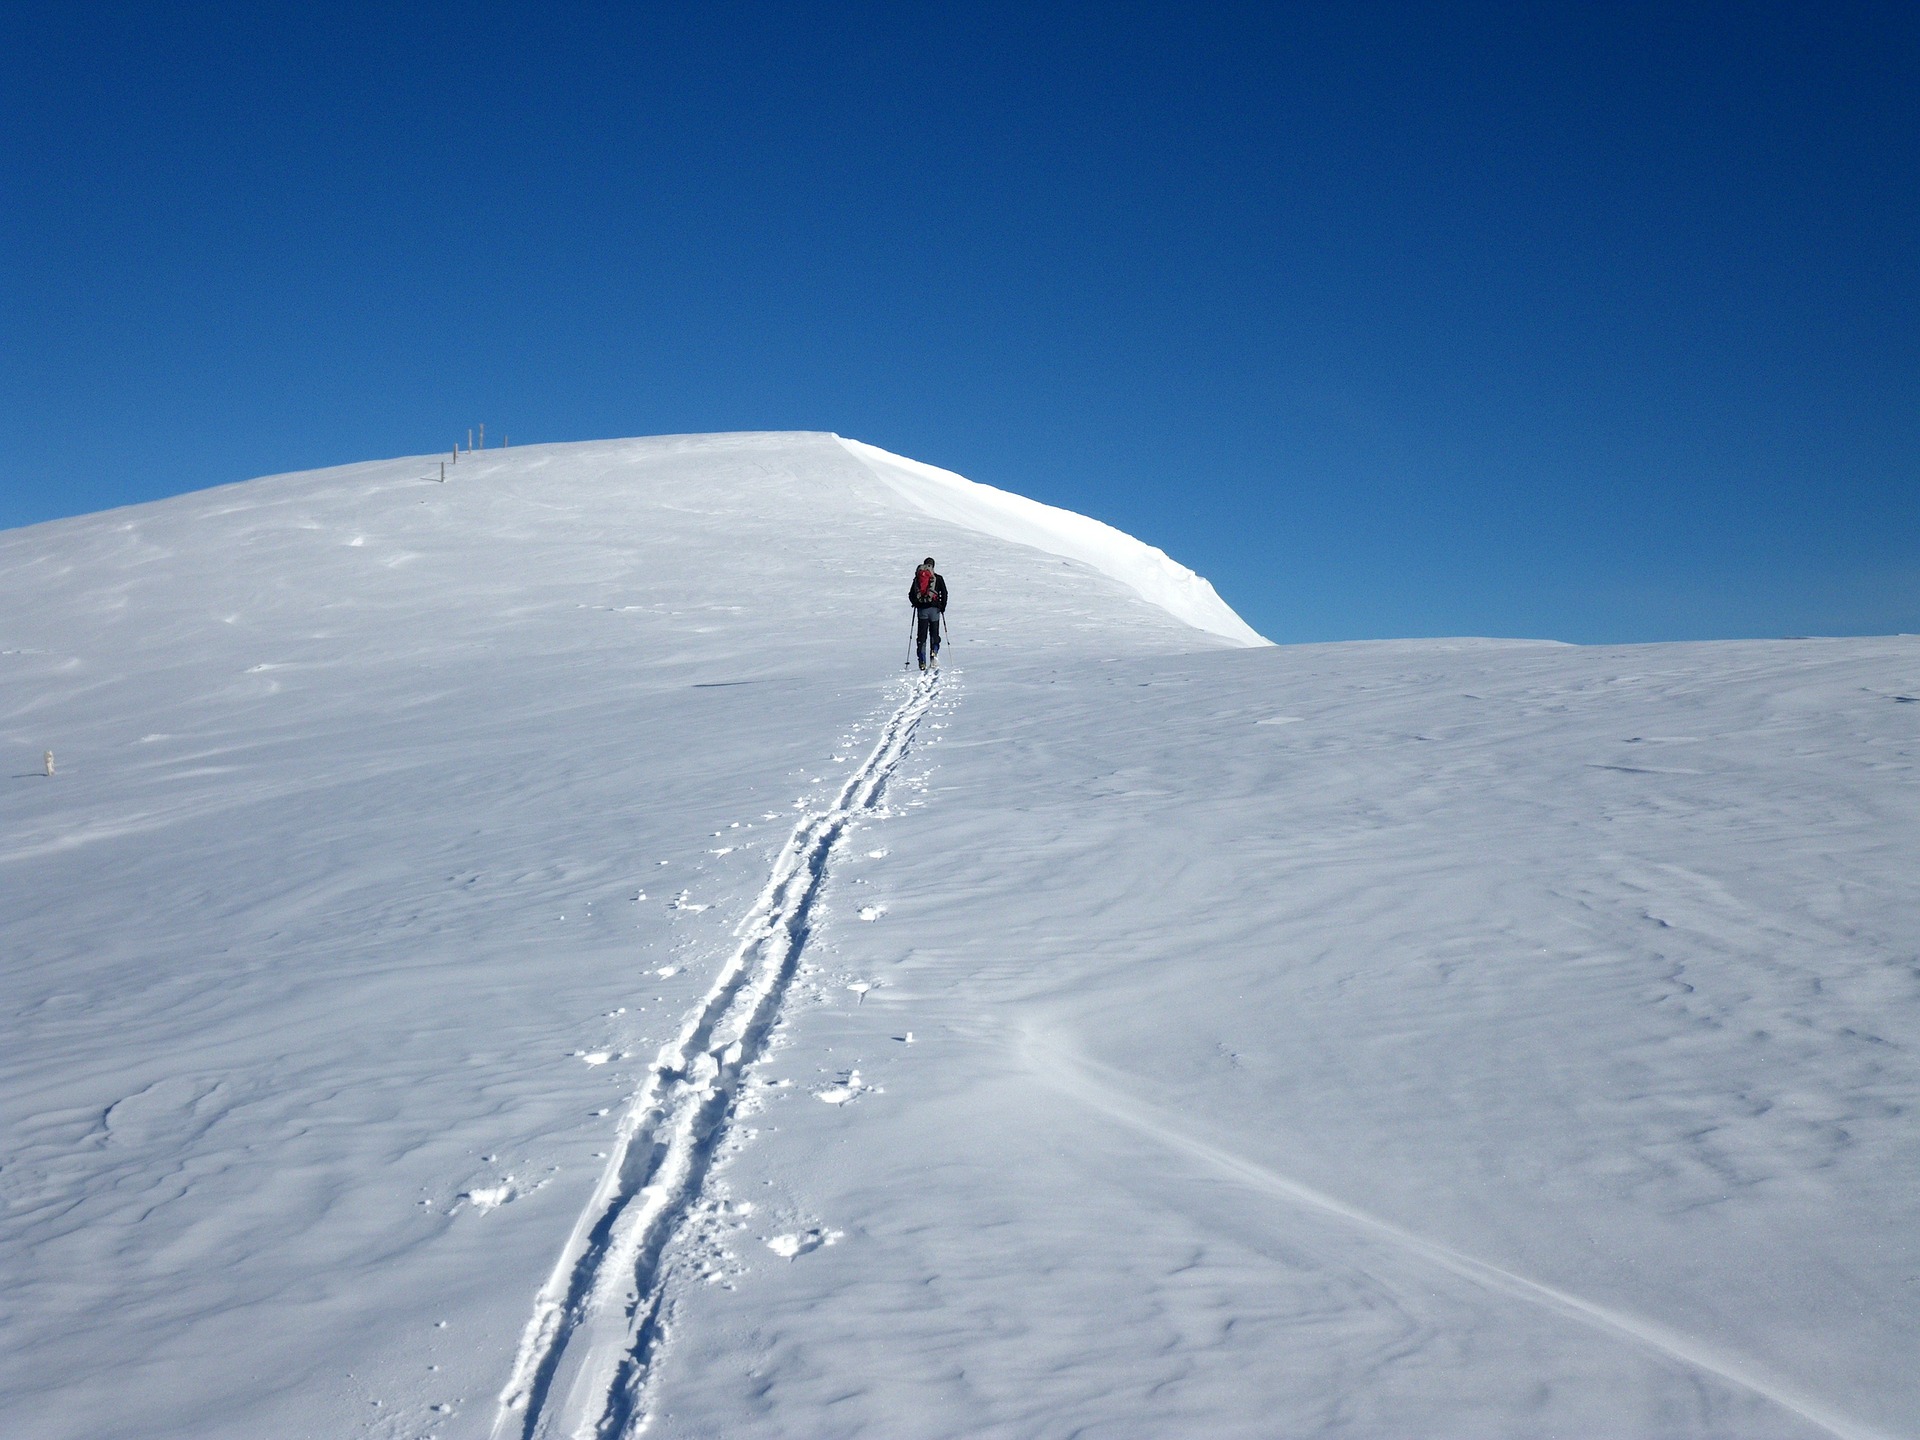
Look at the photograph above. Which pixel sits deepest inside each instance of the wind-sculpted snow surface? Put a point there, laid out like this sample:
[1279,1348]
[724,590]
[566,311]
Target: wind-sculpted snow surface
[584,1363]
[519,957]
[1073,1076]
[1440,1039]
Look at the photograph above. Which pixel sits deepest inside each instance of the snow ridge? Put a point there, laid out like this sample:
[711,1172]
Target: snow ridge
[586,1355]
[1145,569]
[1082,1079]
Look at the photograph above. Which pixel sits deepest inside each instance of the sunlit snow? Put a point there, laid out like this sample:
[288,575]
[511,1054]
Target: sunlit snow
[1131,1029]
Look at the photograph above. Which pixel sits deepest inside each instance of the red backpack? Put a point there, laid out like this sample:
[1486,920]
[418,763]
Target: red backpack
[923,586]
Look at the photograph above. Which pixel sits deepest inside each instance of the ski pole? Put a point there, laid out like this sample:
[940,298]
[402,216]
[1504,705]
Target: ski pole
[913,625]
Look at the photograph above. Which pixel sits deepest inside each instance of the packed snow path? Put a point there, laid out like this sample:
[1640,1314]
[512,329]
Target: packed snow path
[589,1348]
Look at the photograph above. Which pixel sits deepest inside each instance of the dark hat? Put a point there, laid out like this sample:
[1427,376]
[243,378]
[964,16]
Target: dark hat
[927,561]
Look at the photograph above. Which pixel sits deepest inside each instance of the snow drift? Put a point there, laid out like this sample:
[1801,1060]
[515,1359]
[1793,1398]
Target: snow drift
[1149,572]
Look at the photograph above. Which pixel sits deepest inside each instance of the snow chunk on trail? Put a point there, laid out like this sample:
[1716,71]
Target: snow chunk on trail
[787,1247]
[1143,568]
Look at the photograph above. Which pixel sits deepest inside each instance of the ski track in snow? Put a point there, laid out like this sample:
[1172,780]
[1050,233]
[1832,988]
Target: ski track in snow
[1101,1089]
[588,1350]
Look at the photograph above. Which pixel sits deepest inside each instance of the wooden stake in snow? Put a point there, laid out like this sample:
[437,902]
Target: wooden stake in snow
[443,472]
[49,764]
[483,434]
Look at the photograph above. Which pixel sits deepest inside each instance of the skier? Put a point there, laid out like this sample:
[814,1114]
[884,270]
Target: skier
[928,596]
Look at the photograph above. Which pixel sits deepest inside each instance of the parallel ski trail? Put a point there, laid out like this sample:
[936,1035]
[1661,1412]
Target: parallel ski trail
[586,1353]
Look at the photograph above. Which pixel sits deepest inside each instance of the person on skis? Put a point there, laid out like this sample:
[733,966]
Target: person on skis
[928,596]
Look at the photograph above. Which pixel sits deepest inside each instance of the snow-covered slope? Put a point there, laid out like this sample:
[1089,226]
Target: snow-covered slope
[1149,572]
[517,955]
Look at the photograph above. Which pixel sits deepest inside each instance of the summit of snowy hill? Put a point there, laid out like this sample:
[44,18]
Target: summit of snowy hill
[532,955]
[1148,571]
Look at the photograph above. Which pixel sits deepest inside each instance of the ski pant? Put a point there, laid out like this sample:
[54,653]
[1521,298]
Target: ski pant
[929,625]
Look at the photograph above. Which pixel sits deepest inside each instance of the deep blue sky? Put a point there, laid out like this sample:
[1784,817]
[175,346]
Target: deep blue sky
[1599,322]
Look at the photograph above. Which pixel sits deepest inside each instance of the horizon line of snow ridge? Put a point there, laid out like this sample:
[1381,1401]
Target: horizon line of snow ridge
[1145,569]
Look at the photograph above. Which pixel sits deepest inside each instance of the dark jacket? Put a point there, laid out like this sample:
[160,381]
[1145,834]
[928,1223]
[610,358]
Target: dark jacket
[939,592]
